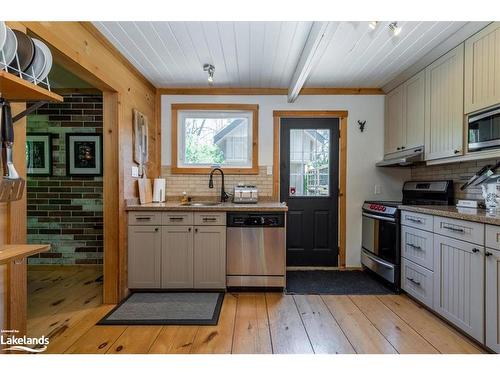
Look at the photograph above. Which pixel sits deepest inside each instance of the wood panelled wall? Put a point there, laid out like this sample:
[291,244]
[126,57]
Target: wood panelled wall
[83,51]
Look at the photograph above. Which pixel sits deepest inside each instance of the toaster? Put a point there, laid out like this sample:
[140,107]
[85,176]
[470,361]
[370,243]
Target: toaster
[245,194]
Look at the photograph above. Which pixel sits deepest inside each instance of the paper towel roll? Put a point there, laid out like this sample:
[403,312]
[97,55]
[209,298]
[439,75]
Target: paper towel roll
[159,186]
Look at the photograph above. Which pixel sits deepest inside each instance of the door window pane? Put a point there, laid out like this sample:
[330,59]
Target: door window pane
[309,162]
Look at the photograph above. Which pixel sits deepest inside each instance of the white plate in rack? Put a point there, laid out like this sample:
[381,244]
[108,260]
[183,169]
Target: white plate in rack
[9,48]
[37,67]
[3,34]
[48,59]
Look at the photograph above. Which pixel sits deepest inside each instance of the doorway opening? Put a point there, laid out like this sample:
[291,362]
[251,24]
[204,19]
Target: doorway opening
[64,151]
[310,175]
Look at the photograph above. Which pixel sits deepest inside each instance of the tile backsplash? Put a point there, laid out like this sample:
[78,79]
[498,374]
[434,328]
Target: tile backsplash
[458,172]
[196,185]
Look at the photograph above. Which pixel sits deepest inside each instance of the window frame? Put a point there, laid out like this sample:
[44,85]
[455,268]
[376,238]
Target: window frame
[253,108]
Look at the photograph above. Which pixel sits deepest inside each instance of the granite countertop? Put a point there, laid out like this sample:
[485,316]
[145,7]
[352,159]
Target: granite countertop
[471,214]
[227,206]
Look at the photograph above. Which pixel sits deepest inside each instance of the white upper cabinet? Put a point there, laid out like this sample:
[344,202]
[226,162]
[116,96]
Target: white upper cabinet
[444,88]
[482,69]
[404,108]
[394,129]
[414,105]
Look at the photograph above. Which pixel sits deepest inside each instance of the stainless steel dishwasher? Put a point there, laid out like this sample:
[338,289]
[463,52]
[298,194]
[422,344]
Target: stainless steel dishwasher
[256,252]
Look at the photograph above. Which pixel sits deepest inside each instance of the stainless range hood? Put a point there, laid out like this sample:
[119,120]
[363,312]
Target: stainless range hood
[403,158]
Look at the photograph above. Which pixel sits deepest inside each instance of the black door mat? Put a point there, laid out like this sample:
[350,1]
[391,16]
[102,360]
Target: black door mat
[167,308]
[335,282]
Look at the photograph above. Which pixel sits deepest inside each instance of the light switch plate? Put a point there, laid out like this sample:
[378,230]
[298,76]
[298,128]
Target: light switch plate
[377,189]
[135,171]
[269,170]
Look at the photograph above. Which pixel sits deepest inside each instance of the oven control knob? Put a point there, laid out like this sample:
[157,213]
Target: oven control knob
[383,208]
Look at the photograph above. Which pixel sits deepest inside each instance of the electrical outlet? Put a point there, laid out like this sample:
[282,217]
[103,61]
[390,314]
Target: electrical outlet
[135,171]
[377,189]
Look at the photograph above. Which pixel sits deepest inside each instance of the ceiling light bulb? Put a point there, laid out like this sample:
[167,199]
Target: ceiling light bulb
[396,30]
[373,25]
[210,69]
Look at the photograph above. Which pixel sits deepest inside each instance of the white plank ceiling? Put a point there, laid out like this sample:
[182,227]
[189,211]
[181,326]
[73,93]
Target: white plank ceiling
[265,54]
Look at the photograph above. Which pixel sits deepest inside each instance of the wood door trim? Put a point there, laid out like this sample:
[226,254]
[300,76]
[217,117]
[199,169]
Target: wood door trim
[254,108]
[342,116]
[268,91]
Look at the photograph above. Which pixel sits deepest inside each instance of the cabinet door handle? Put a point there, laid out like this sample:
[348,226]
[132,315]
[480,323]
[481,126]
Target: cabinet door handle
[189,229]
[414,220]
[453,229]
[488,254]
[403,147]
[399,148]
[209,219]
[456,152]
[156,229]
[176,218]
[196,230]
[414,246]
[413,281]
[143,218]
[475,250]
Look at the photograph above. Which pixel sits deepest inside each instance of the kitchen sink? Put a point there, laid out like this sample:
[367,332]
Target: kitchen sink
[200,204]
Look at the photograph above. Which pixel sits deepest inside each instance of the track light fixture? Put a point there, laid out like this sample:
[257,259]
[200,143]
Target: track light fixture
[373,24]
[393,26]
[211,70]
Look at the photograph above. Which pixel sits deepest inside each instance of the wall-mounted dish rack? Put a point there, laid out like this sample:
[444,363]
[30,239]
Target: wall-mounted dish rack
[14,87]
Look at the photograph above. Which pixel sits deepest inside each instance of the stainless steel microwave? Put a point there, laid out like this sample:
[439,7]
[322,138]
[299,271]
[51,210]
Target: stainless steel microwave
[484,130]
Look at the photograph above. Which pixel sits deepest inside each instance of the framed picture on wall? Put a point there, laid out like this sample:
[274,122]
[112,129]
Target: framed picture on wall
[39,154]
[83,154]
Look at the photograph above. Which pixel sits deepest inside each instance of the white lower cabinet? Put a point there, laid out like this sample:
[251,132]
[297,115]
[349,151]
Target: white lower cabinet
[144,254]
[459,284]
[177,254]
[177,257]
[209,257]
[453,267]
[417,281]
[417,246]
[493,299]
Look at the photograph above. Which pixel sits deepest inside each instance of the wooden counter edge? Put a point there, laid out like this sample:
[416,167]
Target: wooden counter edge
[18,251]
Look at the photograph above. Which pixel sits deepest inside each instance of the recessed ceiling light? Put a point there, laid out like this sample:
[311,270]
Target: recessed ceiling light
[373,25]
[395,28]
[211,70]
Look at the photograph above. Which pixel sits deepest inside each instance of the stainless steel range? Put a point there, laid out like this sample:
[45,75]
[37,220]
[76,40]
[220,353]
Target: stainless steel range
[381,244]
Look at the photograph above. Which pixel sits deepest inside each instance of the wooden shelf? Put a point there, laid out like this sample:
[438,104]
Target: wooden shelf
[16,89]
[11,252]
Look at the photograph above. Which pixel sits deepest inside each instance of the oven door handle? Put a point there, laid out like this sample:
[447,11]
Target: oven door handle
[378,260]
[383,218]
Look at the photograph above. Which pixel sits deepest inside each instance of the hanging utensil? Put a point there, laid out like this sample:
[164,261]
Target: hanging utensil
[478,174]
[486,175]
[11,185]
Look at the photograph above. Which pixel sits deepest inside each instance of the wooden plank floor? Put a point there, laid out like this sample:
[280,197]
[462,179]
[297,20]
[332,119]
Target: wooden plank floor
[62,306]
